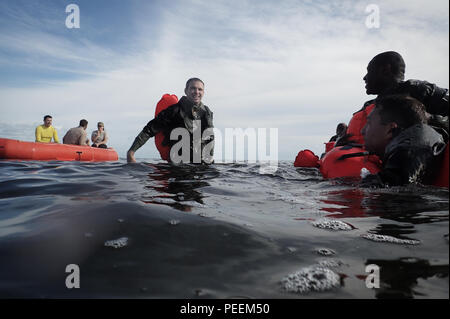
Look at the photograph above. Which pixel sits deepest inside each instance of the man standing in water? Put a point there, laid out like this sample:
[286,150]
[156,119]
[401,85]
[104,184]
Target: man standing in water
[189,115]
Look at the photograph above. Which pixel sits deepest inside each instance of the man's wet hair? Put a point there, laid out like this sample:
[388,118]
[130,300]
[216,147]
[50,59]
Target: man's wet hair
[395,60]
[193,80]
[83,123]
[47,116]
[402,109]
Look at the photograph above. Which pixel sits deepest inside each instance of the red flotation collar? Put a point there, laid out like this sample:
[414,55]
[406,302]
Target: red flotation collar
[166,101]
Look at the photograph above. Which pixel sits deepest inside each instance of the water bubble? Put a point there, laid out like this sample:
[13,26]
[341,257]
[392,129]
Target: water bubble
[117,243]
[325,251]
[333,224]
[291,249]
[390,239]
[313,278]
[330,263]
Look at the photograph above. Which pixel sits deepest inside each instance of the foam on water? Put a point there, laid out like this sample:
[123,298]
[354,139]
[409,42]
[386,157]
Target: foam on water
[308,279]
[390,239]
[325,251]
[193,224]
[117,243]
[332,224]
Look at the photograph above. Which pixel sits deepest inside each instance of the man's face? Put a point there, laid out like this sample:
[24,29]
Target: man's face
[376,134]
[48,122]
[376,78]
[194,92]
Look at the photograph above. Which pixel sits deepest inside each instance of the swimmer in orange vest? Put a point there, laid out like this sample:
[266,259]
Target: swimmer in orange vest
[385,76]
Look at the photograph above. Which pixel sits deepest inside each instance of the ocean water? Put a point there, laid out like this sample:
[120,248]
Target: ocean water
[153,230]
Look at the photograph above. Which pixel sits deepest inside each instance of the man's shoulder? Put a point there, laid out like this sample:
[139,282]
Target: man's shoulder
[365,105]
[207,109]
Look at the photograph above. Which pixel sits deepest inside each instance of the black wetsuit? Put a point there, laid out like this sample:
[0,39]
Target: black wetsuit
[413,156]
[179,115]
[434,98]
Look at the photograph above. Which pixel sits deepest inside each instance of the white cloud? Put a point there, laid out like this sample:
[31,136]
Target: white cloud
[295,66]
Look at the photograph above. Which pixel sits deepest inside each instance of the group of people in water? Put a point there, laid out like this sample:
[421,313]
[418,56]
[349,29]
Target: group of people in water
[406,126]
[45,133]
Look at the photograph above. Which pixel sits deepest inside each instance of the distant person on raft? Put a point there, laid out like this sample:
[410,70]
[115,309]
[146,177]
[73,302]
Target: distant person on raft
[411,151]
[99,137]
[189,116]
[45,132]
[385,76]
[77,135]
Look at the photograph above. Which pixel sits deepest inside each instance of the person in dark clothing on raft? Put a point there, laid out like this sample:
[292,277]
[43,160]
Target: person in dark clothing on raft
[411,150]
[385,76]
[341,130]
[189,115]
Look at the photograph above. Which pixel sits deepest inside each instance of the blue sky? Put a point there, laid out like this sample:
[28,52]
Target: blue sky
[294,65]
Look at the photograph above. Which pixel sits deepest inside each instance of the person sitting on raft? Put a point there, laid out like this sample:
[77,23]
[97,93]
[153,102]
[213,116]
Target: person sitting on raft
[185,114]
[397,132]
[77,135]
[341,130]
[99,137]
[385,76]
[45,132]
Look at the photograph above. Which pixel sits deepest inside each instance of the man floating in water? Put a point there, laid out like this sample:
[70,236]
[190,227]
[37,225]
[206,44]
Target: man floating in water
[397,132]
[188,116]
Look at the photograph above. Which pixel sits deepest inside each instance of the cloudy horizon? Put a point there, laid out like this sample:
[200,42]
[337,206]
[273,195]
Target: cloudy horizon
[292,65]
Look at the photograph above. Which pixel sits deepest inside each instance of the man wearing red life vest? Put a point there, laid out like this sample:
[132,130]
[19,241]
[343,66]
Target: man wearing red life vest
[385,76]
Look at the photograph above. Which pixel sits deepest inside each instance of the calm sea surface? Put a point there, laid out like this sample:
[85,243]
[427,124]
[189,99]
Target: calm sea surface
[152,230]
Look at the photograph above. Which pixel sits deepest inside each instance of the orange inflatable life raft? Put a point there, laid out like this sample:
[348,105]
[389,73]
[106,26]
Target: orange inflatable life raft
[33,151]
[348,161]
[166,101]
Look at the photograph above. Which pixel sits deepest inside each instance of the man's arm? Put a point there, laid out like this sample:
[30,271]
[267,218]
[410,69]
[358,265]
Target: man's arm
[105,140]
[436,99]
[401,167]
[38,134]
[152,128]
[55,136]
[83,139]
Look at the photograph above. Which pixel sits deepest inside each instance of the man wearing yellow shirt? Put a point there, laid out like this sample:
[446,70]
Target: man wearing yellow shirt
[45,132]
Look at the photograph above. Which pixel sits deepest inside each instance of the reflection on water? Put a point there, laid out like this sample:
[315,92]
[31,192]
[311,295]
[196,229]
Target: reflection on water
[221,230]
[177,186]
[399,278]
